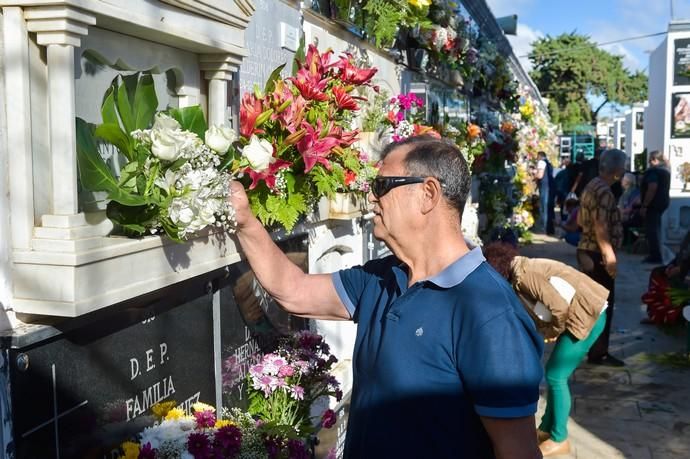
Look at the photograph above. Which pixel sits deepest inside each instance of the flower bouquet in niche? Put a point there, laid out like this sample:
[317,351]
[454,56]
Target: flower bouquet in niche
[295,141]
[406,117]
[172,180]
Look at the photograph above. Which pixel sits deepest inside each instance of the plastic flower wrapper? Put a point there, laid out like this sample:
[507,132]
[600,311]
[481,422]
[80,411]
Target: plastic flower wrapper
[171,181]
[295,143]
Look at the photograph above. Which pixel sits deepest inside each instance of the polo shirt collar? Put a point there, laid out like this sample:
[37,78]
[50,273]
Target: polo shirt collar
[457,271]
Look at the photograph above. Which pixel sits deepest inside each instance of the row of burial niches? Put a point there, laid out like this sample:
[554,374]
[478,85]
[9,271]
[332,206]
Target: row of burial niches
[84,391]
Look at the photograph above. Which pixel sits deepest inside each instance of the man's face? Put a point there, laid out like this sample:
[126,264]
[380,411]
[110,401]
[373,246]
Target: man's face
[653,162]
[392,209]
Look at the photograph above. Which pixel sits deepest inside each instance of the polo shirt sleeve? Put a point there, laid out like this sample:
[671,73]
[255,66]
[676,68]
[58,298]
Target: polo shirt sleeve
[501,367]
[351,284]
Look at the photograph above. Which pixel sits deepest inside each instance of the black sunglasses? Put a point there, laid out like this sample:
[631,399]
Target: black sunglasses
[383,185]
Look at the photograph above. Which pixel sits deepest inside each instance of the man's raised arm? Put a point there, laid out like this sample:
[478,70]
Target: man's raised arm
[306,295]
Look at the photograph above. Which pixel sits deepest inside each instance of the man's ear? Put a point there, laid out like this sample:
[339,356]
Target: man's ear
[432,195]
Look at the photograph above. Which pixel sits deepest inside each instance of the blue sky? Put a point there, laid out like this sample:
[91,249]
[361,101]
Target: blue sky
[602,20]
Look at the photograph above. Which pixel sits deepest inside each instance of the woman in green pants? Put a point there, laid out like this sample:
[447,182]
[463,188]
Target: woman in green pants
[567,307]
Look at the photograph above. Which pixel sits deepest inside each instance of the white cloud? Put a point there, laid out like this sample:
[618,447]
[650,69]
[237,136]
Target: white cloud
[522,43]
[505,7]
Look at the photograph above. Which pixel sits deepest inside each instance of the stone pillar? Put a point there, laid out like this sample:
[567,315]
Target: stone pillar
[218,69]
[59,28]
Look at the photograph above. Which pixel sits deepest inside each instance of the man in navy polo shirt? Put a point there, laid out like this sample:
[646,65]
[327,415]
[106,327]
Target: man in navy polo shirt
[446,360]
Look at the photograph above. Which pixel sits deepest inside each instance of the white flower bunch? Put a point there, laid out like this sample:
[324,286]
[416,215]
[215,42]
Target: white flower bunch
[172,433]
[199,190]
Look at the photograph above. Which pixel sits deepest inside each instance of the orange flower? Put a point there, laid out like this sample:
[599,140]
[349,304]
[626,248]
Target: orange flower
[507,127]
[473,131]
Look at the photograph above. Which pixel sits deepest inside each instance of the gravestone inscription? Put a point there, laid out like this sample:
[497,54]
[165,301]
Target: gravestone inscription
[82,393]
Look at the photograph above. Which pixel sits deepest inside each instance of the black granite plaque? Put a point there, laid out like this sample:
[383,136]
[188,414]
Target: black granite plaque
[681,62]
[251,321]
[82,393]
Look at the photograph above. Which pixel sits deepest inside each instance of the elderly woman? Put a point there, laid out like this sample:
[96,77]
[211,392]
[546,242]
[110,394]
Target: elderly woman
[602,234]
[566,305]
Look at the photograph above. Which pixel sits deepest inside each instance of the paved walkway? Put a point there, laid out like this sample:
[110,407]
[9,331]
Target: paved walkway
[641,411]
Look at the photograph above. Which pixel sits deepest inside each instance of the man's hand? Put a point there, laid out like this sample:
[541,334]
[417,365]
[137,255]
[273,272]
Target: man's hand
[609,262]
[240,202]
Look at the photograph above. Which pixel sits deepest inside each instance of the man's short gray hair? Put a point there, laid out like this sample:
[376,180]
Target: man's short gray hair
[612,160]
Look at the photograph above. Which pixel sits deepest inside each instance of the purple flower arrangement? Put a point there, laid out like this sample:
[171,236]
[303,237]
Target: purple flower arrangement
[283,386]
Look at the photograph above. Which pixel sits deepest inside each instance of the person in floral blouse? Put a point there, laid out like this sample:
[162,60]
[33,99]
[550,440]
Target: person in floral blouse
[602,234]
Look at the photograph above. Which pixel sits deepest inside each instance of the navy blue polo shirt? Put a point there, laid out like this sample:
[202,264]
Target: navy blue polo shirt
[430,359]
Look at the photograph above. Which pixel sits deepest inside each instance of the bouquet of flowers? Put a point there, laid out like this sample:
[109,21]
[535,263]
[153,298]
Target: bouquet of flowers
[294,146]
[285,383]
[468,137]
[405,117]
[684,172]
[295,143]
[283,386]
[176,434]
[172,180]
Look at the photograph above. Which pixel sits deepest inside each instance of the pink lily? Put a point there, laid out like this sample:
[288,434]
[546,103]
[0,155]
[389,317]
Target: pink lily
[314,149]
[351,74]
[268,176]
[250,108]
[343,100]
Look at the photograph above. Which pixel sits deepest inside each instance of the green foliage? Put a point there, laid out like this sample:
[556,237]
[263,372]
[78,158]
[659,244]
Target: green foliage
[375,111]
[190,119]
[569,67]
[94,174]
[387,16]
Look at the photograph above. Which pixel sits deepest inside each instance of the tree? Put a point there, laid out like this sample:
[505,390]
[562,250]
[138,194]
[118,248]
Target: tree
[569,67]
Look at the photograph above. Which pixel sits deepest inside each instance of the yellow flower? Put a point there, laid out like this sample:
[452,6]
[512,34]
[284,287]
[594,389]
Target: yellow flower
[174,413]
[223,423]
[198,407]
[131,450]
[160,410]
[420,3]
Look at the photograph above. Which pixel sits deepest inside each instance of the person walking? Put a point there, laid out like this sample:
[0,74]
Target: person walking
[547,192]
[656,183]
[602,234]
[441,337]
[567,306]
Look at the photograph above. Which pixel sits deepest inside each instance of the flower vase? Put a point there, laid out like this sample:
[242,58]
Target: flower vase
[344,206]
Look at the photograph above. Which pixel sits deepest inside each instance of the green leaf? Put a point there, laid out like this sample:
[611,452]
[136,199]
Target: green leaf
[133,219]
[299,55]
[112,133]
[124,106]
[128,175]
[271,82]
[145,102]
[94,174]
[108,109]
[191,119]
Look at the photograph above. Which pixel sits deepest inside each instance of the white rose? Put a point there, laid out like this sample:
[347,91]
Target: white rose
[164,145]
[259,153]
[163,122]
[219,138]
